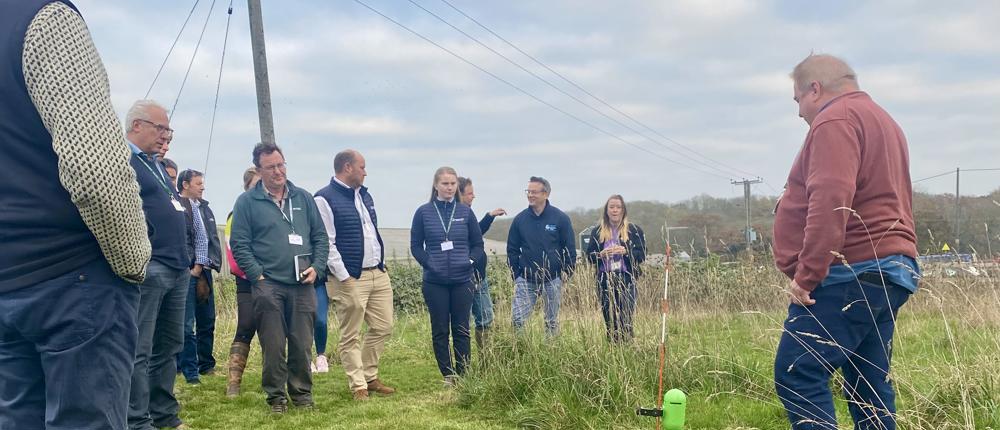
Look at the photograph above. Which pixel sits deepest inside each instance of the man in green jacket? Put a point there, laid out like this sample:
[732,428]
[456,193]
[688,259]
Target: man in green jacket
[279,241]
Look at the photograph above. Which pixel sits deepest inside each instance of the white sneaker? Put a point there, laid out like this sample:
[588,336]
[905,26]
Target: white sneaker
[320,364]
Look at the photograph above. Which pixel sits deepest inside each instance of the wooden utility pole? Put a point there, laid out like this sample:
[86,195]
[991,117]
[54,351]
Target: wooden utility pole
[746,196]
[260,72]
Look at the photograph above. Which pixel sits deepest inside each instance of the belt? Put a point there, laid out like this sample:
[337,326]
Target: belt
[370,268]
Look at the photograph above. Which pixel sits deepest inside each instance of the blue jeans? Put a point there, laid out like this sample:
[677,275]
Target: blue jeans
[850,327]
[161,336]
[322,310]
[66,350]
[482,305]
[196,358]
[526,294]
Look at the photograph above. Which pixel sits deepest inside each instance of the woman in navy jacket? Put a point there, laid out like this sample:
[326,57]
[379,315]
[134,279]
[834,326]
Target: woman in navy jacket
[617,248]
[445,238]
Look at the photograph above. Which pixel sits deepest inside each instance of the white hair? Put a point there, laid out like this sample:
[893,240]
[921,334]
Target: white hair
[140,110]
[830,72]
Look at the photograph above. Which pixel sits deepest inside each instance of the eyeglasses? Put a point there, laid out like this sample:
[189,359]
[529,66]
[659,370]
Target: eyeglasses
[533,192]
[160,128]
[275,167]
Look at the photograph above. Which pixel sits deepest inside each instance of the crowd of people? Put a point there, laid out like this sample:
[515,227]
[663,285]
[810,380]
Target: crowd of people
[107,290]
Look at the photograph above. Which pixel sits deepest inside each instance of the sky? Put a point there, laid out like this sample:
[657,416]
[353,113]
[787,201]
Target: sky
[704,85]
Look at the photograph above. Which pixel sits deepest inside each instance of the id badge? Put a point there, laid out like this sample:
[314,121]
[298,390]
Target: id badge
[616,266]
[177,205]
[294,239]
[447,245]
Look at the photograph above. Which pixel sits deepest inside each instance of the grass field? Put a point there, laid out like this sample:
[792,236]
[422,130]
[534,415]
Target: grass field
[724,327]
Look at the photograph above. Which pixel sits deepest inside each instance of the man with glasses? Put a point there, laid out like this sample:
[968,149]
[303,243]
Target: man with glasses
[541,248]
[848,200]
[162,295]
[279,241]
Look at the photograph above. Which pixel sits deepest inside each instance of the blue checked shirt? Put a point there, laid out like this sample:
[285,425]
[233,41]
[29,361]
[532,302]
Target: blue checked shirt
[200,236]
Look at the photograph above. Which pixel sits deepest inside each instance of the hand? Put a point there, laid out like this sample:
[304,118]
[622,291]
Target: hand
[196,270]
[800,296]
[308,276]
[498,212]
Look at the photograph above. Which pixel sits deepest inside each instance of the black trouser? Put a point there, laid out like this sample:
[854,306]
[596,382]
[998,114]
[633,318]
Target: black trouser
[285,317]
[246,326]
[617,293]
[449,306]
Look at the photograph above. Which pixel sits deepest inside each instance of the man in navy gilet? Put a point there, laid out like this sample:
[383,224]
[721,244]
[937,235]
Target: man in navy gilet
[359,285]
[71,224]
[163,294]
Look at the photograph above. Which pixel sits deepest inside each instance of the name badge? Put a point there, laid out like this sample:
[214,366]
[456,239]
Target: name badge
[447,245]
[177,205]
[616,266]
[294,239]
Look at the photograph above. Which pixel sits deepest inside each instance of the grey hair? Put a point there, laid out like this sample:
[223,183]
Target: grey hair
[545,184]
[830,72]
[140,110]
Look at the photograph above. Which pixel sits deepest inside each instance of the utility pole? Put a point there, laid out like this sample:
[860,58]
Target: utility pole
[958,213]
[260,72]
[746,196]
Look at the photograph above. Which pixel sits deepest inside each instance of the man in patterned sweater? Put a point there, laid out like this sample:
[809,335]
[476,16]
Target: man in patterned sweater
[74,239]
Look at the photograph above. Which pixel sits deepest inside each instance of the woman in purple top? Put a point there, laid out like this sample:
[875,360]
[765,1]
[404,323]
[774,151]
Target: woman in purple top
[617,248]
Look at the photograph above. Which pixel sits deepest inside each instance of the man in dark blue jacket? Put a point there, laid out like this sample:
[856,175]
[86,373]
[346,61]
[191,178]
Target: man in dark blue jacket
[161,296]
[541,247]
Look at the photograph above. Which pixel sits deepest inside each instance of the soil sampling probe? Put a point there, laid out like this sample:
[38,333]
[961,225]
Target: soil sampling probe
[670,407]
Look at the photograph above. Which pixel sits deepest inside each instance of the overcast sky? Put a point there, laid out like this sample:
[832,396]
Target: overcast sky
[709,75]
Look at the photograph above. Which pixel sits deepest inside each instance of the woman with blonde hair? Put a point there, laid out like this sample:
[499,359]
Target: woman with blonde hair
[617,248]
[445,239]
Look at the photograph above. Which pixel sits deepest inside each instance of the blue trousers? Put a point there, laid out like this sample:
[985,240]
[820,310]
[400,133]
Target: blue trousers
[482,305]
[161,336]
[66,350]
[526,294]
[850,327]
[322,317]
[448,306]
[197,358]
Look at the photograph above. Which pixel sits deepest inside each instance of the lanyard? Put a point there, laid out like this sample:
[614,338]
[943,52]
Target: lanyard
[159,177]
[290,218]
[450,219]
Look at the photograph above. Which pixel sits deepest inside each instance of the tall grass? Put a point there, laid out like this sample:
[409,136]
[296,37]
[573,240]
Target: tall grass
[724,326]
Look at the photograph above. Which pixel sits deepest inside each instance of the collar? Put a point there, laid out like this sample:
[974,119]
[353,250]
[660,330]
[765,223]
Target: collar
[260,191]
[842,96]
[451,200]
[135,150]
[532,210]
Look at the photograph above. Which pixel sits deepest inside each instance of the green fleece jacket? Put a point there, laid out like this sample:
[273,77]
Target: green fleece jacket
[260,235]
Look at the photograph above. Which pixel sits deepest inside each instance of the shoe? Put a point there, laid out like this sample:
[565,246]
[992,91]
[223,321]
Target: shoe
[238,353]
[279,408]
[193,381]
[450,381]
[320,364]
[207,372]
[377,386]
[361,395]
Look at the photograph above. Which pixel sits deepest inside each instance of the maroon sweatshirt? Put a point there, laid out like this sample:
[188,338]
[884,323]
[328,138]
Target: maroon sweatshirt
[855,156]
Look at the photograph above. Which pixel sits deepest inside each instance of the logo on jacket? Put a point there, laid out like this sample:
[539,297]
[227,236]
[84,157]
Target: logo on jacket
[458,220]
[550,227]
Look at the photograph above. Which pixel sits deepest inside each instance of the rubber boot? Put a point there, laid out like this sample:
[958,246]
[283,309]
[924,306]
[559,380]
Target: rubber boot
[238,353]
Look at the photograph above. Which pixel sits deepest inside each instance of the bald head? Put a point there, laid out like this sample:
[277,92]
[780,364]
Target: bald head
[831,73]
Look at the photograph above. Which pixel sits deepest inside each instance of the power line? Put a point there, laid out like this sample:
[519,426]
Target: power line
[555,87]
[536,98]
[585,91]
[218,85]
[164,63]
[191,63]
[949,172]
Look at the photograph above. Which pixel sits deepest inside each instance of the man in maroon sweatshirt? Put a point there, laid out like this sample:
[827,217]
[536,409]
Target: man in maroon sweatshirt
[844,235]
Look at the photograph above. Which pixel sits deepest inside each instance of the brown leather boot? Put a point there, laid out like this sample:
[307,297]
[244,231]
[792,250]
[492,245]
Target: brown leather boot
[238,353]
